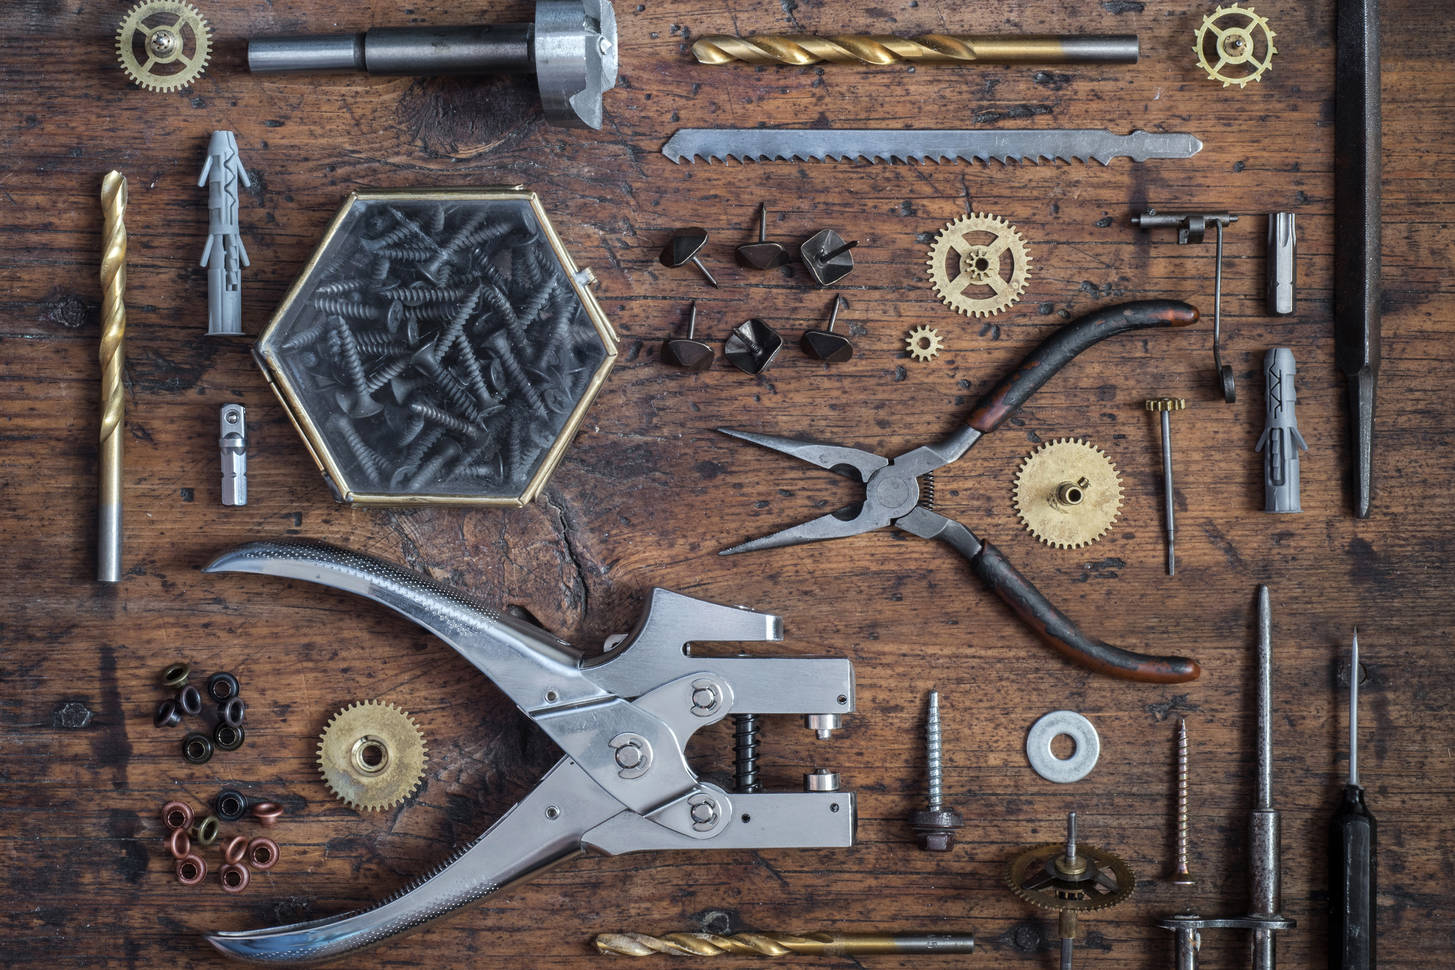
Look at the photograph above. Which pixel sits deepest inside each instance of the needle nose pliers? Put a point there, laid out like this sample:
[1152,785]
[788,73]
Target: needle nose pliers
[892,495]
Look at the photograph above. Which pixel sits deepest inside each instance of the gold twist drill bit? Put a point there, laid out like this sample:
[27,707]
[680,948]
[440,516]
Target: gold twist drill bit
[113,404]
[800,49]
[781,945]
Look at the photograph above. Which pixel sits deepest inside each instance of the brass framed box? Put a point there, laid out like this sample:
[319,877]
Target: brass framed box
[440,347]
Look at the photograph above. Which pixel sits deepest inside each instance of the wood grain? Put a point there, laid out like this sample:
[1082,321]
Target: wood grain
[649,493]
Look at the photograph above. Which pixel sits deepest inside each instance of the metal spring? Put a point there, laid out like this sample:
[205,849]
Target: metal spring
[745,753]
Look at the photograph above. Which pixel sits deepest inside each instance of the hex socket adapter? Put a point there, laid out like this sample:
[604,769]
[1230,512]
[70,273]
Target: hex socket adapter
[570,47]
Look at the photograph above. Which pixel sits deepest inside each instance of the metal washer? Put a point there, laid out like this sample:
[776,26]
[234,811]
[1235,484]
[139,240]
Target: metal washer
[1052,726]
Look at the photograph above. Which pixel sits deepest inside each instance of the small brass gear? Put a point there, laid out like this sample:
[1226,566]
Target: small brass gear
[923,343]
[1067,493]
[371,755]
[1094,879]
[1237,39]
[979,265]
[163,45]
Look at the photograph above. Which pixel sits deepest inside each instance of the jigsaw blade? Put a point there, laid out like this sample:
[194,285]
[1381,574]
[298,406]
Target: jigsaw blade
[907,145]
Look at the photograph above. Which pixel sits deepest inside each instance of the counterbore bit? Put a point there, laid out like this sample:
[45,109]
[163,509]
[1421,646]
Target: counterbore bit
[781,945]
[801,49]
[113,401]
[570,47]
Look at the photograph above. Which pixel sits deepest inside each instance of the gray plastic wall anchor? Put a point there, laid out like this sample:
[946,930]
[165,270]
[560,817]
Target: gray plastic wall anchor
[1280,442]
[224,256]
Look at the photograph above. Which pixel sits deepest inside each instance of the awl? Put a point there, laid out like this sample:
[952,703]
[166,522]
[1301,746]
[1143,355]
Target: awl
[1351,857]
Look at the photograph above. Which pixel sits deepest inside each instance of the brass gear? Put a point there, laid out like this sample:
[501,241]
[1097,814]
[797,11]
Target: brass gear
[1068,493]
[923,343]
[371,755]
[967,264]
[1095,879]
[1235,37]
[163,45]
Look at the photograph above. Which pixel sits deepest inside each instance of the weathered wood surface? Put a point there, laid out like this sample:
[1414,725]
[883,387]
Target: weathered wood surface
[649,493]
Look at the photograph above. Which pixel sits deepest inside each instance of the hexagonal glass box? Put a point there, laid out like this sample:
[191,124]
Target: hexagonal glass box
[440,347]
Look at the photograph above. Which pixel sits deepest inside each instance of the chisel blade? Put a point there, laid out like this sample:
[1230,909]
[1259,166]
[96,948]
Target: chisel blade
[935,145]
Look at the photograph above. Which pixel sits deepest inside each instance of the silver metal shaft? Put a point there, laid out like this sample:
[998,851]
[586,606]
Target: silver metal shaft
[1265,700]
[1354,712]
[1167,490]
[1265,894]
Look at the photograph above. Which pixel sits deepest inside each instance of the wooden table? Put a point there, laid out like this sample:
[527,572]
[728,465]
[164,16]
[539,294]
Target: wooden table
[649,493]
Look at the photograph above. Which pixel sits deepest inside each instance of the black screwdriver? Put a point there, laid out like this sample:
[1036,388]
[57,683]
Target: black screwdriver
[1351,857]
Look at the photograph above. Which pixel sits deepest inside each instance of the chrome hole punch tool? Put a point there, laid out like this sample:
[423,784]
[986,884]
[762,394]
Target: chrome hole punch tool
[623,718]
[893,495]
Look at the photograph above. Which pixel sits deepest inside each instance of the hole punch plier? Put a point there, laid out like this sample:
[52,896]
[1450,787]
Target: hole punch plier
[623,718]
[892,493]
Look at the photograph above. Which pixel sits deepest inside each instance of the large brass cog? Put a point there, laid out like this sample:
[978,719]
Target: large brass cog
[1235,45]
[1068,493]
[163,45]
[1094,879]
[371,755]
[979,265]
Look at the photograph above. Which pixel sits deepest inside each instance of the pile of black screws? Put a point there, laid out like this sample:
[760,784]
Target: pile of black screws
[227,733]
[447,345]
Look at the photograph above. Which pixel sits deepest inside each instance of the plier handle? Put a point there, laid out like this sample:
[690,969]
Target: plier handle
[623,717]
[892,493]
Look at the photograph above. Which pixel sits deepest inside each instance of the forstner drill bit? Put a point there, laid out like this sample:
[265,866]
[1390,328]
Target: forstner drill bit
[113,402]
[881,49]
[781,944]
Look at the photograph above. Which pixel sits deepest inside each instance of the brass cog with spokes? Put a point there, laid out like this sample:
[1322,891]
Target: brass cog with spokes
[163,45]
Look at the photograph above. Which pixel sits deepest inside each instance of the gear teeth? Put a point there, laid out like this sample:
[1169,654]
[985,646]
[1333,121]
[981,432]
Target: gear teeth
[923,343]
[1257,28]
[1005,236]
[186,16]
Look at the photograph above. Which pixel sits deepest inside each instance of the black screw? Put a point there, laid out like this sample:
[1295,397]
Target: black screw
[826,345]
[683,248]
[762,254]
[687,351]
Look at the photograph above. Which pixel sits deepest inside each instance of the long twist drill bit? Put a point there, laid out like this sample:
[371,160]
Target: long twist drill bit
[113,403]
[881,49]
[781,944]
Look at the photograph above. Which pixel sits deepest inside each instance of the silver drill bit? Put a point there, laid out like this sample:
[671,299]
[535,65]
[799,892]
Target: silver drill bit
[1165,406]
[1183,877]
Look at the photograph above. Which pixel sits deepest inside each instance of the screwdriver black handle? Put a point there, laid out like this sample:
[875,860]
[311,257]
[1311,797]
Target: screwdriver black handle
[1352,883]
[1059,349]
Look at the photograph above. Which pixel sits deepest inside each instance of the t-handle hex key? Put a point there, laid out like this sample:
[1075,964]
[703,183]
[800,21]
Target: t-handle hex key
[893,497]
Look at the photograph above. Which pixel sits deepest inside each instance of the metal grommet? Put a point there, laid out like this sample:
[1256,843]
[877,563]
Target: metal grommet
[167,714]
[197,748]
[191,870]
[231,711]
[262,853]
[227,737]
[221,686]
[175,675]
[1079,730]
[267,812]
[230,805]
[206,831]
[176,815]
[234,878]
[189,699]
[178,844]
[236,849]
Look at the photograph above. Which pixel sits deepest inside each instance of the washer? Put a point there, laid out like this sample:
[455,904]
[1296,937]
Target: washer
[1050,727]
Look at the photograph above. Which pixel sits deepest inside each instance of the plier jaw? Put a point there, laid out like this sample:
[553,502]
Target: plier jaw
[623,718]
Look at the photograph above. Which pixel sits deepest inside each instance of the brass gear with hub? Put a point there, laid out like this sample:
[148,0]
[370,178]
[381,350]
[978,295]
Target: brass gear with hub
[371,755]
[1235,38]
[979,265]
[163,45]
[1067,493]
